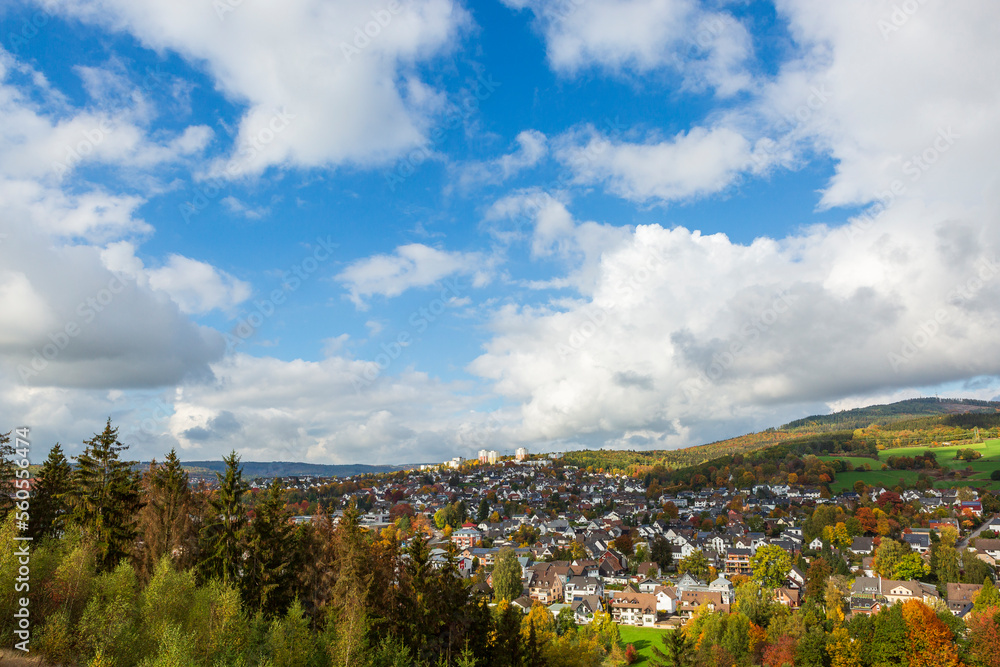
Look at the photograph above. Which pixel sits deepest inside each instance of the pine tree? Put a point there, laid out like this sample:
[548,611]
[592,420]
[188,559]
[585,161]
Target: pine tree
[166,524]
[48,504]
[106,497]
[223,533]
[268,579]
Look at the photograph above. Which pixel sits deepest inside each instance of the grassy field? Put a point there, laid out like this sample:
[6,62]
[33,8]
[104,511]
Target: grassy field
[643,639]
[945,457]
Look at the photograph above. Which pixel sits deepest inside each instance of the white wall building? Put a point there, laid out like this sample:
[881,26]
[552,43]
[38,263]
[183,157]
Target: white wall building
[521,454]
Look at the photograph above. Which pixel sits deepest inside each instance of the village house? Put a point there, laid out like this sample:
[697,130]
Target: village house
[630,608]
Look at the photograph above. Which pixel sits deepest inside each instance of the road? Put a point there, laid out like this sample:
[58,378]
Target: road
[961,544]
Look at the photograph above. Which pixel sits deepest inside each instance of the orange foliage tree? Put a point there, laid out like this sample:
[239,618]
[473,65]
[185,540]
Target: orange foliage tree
[984,636]
[780,653]
[929,640]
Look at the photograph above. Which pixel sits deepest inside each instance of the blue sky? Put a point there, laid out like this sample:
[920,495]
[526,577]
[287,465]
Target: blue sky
[620,223]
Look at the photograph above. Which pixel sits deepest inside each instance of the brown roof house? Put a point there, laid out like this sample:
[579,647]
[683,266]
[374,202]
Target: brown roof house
[961,597]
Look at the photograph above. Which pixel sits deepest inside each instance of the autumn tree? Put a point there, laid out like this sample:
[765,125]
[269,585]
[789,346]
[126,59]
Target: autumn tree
[771,565]
[507,576]
[7,476]
[984,635]
[987,598]
[165,522]
[696,564]
[929,641]
[348,615]
[816,578]
[888,557]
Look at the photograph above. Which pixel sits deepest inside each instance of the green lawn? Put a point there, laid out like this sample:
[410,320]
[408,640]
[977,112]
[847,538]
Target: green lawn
[945,457]
[643,639]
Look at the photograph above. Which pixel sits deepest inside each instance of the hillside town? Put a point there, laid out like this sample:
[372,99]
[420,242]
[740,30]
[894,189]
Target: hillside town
[595,542]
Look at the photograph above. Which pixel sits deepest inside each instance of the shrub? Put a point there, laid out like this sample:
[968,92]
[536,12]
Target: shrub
[55,640]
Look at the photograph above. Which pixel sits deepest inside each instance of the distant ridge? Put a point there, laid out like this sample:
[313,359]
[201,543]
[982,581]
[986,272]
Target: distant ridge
[911,408]
[269,469]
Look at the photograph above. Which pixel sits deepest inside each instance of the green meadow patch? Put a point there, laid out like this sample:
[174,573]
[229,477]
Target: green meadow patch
[644,639]
[945,457]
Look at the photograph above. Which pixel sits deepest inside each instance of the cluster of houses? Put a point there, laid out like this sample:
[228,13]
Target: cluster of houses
[600,578]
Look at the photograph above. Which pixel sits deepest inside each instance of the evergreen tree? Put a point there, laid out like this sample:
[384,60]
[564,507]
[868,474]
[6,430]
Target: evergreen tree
[106,497]
[268,578]
[484,511]
[678,650]
[165,521]
[223,533]
[660,552]
[48,504]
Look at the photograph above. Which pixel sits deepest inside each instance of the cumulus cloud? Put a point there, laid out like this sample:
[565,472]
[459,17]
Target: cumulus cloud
[318,90]
[411,266]
[196,287]
[684,329]
[710,49]
[86,326]
[691,164]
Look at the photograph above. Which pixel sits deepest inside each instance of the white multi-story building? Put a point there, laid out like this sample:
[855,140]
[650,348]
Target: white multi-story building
[521,454]
[492,456]
[456,462]
[483,456]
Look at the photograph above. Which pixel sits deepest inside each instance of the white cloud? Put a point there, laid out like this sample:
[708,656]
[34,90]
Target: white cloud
[311,100]
[554,233]
[532,146]
[78,324]
[240,208]
[889,93]
[326,411]
[685,333]
[195,286]
[710,49]
[411,266]
[691,164]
